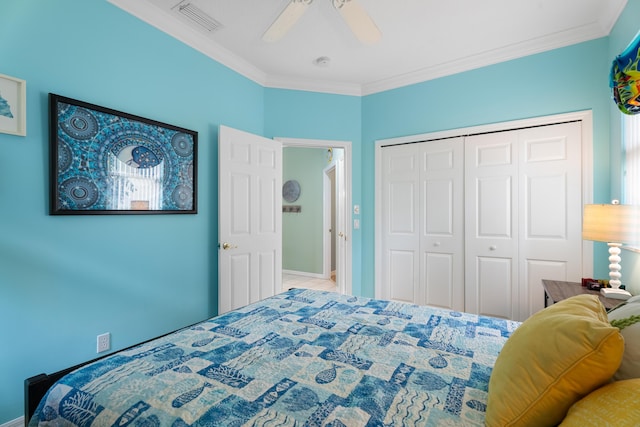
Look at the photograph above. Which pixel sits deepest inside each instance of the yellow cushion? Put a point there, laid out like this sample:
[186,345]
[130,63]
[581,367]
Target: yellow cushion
[615,404]
[556,357]
[630,366]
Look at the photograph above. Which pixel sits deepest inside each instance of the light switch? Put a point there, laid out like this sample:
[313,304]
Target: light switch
[356,224]
[356,209]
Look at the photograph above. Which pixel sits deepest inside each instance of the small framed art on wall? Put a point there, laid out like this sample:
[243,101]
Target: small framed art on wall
[13,105]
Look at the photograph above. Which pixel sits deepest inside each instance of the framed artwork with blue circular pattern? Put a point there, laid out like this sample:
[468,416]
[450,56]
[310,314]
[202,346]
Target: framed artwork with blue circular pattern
[105,161]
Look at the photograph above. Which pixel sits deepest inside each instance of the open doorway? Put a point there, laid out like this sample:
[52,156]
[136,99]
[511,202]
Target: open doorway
[315,226]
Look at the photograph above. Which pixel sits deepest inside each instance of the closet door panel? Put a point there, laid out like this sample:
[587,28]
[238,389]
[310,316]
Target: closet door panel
[550,231]
[441,230]
[533,272]
[493,213]
[440,279]
[491,218]
[402,267]
[400,224]
[494,287]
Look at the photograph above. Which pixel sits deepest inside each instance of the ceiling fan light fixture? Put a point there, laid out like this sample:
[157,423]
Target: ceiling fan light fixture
[287,19]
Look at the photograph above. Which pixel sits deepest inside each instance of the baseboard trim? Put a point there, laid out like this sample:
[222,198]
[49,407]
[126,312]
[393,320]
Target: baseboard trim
[302,273]
[18,422]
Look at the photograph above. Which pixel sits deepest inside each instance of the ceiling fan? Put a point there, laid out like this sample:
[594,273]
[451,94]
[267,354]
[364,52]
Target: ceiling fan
[351,11]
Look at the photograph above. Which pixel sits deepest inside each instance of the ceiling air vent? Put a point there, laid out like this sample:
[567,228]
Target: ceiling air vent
[197,15]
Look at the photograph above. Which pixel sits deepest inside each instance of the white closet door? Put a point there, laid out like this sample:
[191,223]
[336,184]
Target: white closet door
[423,233]
[400,235]
[484,248]
[523,217]
[550,209]
[441,223]
[491,224]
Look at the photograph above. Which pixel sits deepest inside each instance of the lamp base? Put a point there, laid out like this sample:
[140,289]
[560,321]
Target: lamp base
[614,265]
[620,294]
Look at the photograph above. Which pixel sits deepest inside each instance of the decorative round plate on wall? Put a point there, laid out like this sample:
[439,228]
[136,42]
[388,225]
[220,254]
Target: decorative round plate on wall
[291,191]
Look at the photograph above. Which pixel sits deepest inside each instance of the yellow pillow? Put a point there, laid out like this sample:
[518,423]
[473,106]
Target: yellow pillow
[615,404]
[630,366]
[556,357]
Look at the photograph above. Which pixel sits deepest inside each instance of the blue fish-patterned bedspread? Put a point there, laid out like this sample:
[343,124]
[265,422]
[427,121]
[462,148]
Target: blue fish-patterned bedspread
[301,358]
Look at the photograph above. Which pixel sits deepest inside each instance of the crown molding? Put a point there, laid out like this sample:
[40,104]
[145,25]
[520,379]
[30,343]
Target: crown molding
[313,85]
[165,21]
[491,57]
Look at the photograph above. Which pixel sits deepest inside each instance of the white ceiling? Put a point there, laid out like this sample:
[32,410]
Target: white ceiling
[421,39]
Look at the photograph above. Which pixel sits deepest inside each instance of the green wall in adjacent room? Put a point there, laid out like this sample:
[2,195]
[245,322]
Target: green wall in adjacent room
[302,233]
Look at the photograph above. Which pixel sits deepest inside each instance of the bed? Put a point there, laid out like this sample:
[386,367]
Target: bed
[311,358]
[302,357]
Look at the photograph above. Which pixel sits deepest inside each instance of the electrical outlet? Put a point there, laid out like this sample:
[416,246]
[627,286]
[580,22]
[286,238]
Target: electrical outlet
[104,342]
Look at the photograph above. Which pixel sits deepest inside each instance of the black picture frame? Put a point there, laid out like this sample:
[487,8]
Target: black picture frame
[104,161]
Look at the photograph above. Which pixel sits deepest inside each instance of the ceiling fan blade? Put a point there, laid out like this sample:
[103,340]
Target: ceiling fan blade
[287,19]
[358,20]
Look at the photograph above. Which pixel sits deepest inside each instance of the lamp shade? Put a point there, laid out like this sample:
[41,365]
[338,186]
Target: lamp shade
[611,223]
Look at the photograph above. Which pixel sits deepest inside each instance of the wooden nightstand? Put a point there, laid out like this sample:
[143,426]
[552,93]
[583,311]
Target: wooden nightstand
[557,290]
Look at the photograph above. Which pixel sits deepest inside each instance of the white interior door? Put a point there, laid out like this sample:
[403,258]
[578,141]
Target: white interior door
[328,220]
[491,224]
[524,191]
[422,222]
[400,267]
[250,218]
[524,217]
[442,223]
[342,226]
[550,208]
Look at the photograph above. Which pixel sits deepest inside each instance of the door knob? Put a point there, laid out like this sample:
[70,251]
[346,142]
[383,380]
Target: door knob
[226,246]
[493,248]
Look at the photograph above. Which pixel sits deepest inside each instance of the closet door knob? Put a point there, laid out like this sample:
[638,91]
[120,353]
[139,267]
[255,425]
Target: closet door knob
[493,248]
[436,244]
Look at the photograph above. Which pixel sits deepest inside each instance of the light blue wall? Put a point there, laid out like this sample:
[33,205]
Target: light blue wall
[63,280]
[66,279]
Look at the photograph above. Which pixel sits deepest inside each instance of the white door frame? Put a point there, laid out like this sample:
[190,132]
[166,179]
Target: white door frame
[346,287]
[586,117]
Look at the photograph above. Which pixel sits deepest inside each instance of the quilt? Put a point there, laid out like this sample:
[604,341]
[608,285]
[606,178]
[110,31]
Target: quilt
[300,358]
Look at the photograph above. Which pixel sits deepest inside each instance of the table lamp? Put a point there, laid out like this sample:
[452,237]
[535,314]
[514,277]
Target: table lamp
[614,224]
